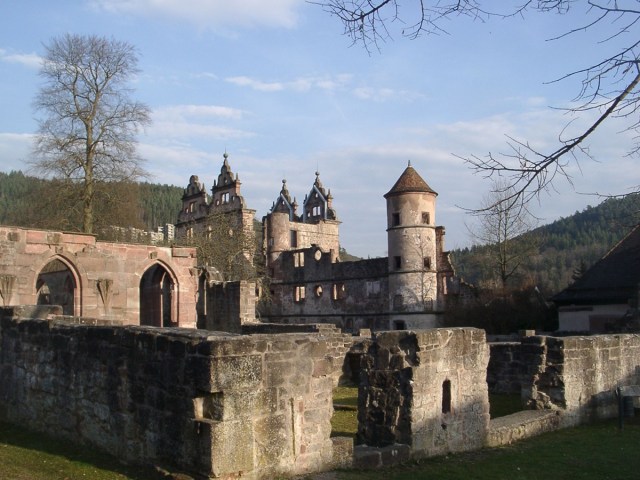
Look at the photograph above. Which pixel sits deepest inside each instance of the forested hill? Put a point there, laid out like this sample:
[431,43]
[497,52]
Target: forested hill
[22,203]
[566,247]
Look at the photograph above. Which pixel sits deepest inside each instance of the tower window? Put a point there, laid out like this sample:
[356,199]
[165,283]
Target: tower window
[426,218]
[395,219]
[294,239]
[426,262]
[397,262]
[316,211]
[225,198]
[298,259]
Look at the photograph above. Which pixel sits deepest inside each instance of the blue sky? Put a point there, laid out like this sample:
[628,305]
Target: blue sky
[279,87]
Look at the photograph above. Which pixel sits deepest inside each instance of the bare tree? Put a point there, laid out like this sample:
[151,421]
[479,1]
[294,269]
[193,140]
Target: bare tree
[609,88]
[87,132]
[501,228]
[222,243]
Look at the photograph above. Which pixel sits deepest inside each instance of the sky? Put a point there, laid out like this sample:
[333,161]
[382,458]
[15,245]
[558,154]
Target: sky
[278,87]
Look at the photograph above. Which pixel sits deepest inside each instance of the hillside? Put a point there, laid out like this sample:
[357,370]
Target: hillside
[566,247]
[21,198]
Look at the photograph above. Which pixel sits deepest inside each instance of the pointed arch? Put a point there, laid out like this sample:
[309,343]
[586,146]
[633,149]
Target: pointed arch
[158,296]
[58,283]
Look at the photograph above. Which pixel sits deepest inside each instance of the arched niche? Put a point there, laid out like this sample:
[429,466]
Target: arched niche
[57,284]
[158,297]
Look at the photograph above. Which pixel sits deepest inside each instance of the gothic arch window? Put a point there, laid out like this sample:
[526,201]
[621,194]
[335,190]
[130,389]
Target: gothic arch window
[158,303]
[56,284]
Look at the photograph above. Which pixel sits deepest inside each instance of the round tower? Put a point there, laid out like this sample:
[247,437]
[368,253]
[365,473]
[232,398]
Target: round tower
[411,238]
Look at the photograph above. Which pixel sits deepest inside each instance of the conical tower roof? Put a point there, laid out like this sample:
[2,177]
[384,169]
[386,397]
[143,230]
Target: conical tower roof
[410,182]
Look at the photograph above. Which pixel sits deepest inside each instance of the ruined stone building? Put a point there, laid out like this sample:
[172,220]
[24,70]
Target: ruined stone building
[308,282]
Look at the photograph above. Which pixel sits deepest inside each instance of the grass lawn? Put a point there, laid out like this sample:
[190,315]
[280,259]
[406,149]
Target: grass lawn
[25,455]
[594,452]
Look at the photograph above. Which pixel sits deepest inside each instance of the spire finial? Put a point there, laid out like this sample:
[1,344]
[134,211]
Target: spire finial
[409,163]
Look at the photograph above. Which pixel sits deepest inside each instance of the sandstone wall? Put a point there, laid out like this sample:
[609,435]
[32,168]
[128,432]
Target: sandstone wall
[506,372]
[256,406]
[579,374]
[426,389]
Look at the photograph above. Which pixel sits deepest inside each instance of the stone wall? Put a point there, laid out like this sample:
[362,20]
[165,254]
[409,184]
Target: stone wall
[426,389]
[579,374]
[116,281]
[212,404]
[317,289]
[506,372]
[229,305]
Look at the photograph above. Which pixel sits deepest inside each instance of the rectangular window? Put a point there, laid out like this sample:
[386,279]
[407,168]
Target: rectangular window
[426,218]
[299,293]
[294,239]
[373,289]
[298,259]
[338,291]
[426,263]
[190,232]
[192,207]
[395,219]
[397,263]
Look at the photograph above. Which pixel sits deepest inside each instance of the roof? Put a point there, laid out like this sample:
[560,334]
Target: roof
[613,279]
[410,182]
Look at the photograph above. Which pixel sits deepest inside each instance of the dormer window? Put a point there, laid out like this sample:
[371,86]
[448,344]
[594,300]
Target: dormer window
[225,198]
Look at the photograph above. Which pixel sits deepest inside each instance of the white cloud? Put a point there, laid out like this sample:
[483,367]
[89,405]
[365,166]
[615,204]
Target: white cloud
[300,84]
[256,84]
[182,123]
[185,111]
[30,60]
[210,13]
[15,150]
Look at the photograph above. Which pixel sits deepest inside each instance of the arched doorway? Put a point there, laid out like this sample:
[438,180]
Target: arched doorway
[56,285]
[156,298]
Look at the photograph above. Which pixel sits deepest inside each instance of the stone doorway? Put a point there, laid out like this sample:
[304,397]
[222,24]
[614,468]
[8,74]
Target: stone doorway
[56,285]
[157,302]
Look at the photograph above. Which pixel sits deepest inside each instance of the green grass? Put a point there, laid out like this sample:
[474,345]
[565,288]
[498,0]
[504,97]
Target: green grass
[25,455]
[592,452]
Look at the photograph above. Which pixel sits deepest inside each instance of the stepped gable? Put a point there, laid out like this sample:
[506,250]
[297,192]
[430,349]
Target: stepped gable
[283,204]
[410,182]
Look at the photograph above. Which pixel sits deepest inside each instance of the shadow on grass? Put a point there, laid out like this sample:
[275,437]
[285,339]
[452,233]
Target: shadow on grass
[17,436]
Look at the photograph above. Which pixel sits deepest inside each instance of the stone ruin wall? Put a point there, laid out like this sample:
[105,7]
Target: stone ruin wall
[259,405]
[426,389]
[208,403]
[579,375]
[574,375]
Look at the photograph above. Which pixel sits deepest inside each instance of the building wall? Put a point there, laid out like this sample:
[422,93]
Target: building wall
[317,289]
[589,318]
[107,277]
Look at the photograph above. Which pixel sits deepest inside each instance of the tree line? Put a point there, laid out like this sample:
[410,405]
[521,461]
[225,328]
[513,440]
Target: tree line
[28,201]
[565,248]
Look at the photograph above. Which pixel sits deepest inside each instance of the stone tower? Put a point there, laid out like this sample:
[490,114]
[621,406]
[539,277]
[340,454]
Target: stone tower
[413,252]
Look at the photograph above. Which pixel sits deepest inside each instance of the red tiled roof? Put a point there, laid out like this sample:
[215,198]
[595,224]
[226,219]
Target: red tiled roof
[410,181]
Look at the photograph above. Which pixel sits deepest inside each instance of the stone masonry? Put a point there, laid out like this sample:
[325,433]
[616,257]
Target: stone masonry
[211,404]
[426,389]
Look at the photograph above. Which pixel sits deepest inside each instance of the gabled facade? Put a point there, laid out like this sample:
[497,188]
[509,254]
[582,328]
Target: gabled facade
[226,198]
[606,293]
